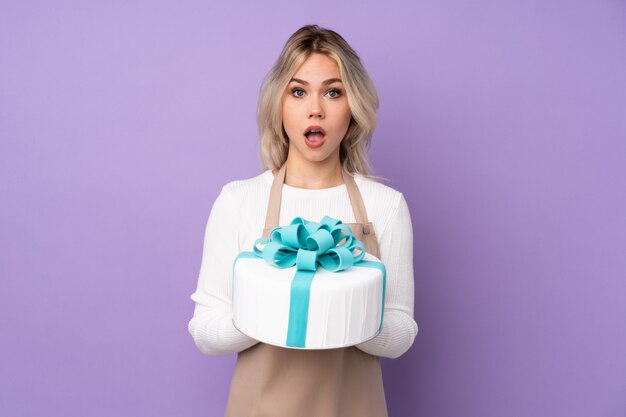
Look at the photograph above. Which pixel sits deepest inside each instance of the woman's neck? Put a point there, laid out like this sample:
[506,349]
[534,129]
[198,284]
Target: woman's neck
[313,175]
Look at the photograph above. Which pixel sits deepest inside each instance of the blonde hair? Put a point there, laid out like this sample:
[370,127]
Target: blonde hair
[360,91]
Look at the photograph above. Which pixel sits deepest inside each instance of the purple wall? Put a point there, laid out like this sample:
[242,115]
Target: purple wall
[504,123]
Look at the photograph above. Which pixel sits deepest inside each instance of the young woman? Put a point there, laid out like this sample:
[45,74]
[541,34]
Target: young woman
[316,117]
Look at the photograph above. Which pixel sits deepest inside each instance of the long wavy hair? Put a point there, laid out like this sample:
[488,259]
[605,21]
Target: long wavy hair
[360,91]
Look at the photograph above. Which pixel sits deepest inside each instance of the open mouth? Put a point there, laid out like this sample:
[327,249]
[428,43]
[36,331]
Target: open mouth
[314,135]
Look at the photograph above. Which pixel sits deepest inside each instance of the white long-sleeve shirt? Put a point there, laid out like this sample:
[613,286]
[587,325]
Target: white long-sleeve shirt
[237,219]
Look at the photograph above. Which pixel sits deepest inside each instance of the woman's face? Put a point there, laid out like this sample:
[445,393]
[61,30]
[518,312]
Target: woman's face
[315,96]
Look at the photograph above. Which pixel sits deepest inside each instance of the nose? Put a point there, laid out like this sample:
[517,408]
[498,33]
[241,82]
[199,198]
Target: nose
[316,109]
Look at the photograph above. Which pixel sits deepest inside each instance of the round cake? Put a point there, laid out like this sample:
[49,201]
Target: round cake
[344,308]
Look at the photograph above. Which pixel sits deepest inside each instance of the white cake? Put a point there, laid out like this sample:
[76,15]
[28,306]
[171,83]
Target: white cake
[345,307]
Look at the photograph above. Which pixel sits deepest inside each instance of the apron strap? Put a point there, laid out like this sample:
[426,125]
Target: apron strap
[273,205]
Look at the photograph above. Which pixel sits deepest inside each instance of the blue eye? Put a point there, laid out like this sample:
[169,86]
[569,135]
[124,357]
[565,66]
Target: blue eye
[335,90]
[295,90]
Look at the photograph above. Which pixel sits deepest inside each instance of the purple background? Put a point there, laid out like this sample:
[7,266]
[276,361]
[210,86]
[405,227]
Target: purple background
[503,123]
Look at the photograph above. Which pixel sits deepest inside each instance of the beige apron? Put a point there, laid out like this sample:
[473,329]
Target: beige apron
[271,381]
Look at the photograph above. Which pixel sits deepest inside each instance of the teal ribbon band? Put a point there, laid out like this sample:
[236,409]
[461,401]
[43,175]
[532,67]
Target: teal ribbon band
[307,245]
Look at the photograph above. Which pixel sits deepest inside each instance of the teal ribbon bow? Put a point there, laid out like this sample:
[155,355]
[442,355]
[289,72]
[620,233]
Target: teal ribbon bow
[307,245]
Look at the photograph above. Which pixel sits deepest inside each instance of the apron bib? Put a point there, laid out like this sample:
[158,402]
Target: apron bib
[271,381]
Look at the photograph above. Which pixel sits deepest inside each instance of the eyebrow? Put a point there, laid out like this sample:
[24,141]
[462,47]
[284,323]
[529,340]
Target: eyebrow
[328,81]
